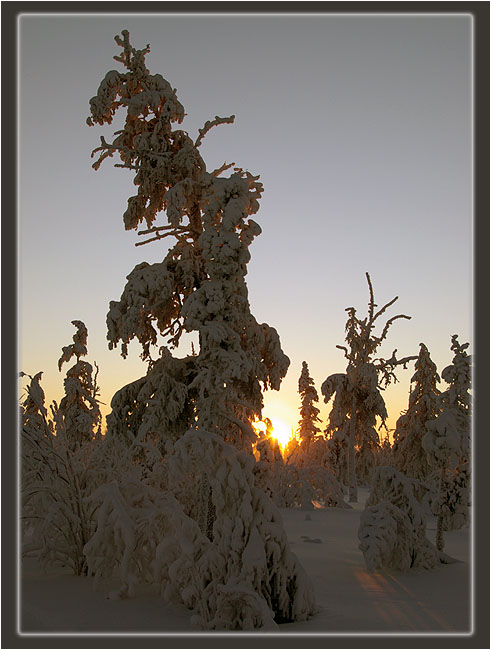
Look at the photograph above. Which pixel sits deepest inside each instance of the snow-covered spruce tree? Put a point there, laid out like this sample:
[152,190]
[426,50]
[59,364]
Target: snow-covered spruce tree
[457,396]
[244,577]
[248,570]
[385,455]
[424,405]
[357,397]
[270,466]
[78,417]
[200,285]
[452,485]
[442,443]
[309,413]
[306,474]
[392,530]
[56,478]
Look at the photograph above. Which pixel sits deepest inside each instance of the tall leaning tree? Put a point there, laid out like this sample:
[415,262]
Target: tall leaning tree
[357,393]
[200,284]
[221,548]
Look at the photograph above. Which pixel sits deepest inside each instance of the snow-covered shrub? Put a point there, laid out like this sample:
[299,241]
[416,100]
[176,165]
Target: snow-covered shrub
[318,483]
[292,484]
[386,537]
[56,477]
[132,519]
[240,574]
[392,530]
[358,401]
[248,552]
[270,467]
[453,499]
[443,444]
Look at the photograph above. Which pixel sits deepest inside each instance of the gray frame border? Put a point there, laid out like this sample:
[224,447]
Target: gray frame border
[480,637]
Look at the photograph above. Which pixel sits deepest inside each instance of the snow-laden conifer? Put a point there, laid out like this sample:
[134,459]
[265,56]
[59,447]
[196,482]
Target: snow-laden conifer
[249,554]
[200,285]
[307,475]
[309,413]
[56,478]
[424,405]
[221,549]
[458,396]
[358,401]
[442,443]
[447,444]
[269,469]
[78,415]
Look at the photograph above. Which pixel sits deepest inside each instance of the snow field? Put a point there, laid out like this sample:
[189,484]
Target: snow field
[350,599]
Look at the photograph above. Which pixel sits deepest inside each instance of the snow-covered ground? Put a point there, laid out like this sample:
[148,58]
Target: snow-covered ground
[350,599]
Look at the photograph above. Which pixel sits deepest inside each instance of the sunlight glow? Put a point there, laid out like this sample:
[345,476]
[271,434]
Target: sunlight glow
[280,430]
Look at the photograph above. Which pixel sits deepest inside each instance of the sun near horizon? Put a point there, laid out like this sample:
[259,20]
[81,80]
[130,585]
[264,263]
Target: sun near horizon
[280,430]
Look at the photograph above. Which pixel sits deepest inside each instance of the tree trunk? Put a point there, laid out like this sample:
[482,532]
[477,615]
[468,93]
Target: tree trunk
[439,542]
[206,509]
[353,491]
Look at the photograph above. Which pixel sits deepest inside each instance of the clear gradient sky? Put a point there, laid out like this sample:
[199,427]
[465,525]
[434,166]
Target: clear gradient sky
[360,128]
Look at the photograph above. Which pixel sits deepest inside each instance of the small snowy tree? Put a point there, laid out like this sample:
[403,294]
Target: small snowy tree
[357,393]
[270,467]
[424,405]
[392,530]
[78,416]
[452,490]
[457,396]
[442,443]
[309,413]
[56,478]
